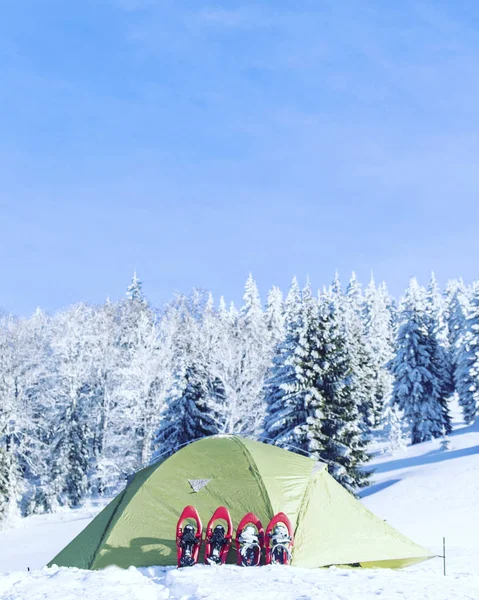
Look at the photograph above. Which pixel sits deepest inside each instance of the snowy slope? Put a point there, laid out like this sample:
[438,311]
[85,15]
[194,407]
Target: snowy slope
[426,493]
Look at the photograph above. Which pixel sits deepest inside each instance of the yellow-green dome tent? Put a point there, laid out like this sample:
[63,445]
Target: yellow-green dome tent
[331,527]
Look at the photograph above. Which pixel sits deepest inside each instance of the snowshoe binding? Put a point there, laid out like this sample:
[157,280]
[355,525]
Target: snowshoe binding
[279,540]
[249,541]
[218,539]
[188,538]
[217,542]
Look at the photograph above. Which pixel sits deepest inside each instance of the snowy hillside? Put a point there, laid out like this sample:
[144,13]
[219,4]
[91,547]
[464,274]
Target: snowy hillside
[425,492]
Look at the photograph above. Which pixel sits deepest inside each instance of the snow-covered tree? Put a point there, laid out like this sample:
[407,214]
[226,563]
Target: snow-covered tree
[110,444]
[135,290]
[457,303]
[380,337]
[417,389]
[338,432]
[394,428]
[72,347]
[39,380]
[146,377]
[467,368]
[311,404]
[441,357]
[191,411]
[362,363]
[246,365]
[457,307]
[11,480]
[285,386]
[89,394]
[275,316]
[194,407]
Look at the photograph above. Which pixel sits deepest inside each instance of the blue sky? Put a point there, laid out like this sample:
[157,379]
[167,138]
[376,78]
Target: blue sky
[196,142]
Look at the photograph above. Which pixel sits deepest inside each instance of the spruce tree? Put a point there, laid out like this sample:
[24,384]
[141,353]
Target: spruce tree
[253,358]
[467,370]
[440,348]
[39,372]
[393,428]
[135,290]
[275,317]
[338,432]
[380,336]
[12,419]
[195,404]
[457,307]
[417,388]
[189,413]
[205,353]
[361,356]
[146,370]
[311,401]
[285,387]
[457,303]
[75,395]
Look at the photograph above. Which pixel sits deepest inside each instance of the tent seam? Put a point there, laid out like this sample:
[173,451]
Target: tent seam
[256,474]
[312,478]
[107,529]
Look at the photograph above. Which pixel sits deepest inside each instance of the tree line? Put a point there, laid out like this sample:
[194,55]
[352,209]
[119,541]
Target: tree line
[90,394]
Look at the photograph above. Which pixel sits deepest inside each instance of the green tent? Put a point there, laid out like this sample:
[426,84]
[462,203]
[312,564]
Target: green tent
[331,527]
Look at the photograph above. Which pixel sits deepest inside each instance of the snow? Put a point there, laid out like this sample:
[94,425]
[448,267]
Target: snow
[425,492]
[214,583]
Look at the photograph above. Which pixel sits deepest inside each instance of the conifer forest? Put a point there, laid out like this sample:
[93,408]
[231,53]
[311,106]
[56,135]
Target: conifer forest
[92,393]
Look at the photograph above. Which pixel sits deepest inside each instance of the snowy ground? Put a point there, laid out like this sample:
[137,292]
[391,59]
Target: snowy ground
[425,492]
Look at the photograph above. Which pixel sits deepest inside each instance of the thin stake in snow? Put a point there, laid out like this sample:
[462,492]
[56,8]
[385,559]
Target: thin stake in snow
[444,554]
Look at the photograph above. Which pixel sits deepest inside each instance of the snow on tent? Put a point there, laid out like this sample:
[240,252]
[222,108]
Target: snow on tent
[331,527]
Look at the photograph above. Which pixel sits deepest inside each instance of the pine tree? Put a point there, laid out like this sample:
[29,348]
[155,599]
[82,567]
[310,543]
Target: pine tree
[275,317]
[188,415]
[311,404]
[111,443]
[338,432]
[205,353]
[457,306]
[380,336]
[457,303]
[72,349]
[393,428]
[361,357]
[307,411]
[195,404]
[417,389]
[39,377]
[146,372]
[467,370]
[285,386]
[135,290]
[12,420]
[247,364]
[441,353]
[222,310]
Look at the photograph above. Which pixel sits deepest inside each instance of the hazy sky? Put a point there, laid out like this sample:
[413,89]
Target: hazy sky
[199,141]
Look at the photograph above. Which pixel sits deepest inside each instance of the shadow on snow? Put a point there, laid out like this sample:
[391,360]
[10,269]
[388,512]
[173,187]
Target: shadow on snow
[425,459]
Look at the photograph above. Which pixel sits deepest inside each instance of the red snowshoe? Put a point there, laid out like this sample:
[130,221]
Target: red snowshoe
[188,539]
[279,540]
[218,541]
[249,541]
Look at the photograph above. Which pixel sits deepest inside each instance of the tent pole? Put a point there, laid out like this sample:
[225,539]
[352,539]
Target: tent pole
[444,553]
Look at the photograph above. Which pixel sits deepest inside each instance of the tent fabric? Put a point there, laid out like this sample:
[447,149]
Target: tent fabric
[331,527]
